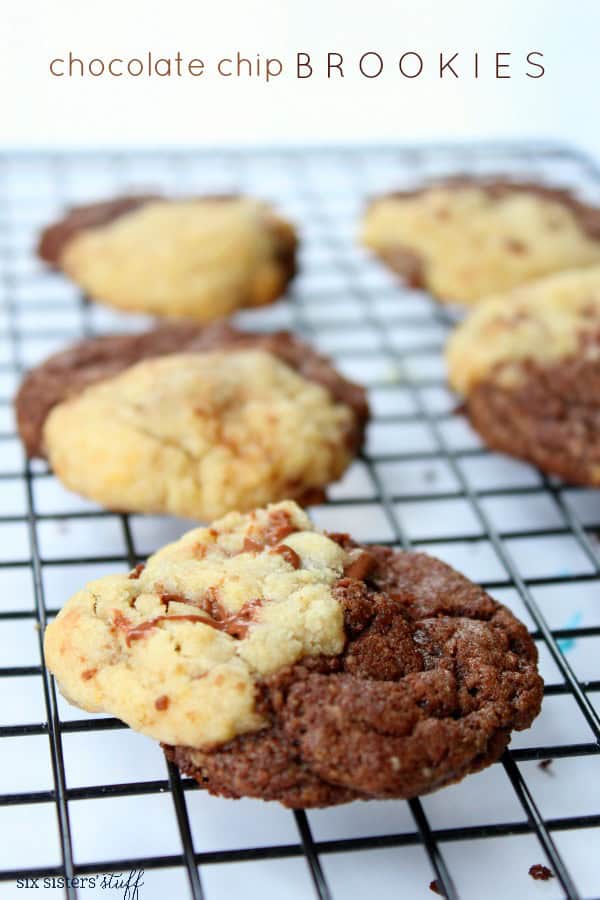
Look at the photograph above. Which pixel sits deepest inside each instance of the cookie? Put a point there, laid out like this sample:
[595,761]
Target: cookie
[527,364]
[464,238]
[199,257]
[276,661]
[67,373]
[192,421]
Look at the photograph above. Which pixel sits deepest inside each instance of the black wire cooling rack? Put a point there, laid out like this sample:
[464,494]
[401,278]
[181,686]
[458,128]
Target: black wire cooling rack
[84,798]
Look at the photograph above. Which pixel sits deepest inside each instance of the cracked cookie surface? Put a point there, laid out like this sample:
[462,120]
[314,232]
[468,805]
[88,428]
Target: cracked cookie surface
[200,434]
[200,257]
[329,671]
[527,364]
[465,238]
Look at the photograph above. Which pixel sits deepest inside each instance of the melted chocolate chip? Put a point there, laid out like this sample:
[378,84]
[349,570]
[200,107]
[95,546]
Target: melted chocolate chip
[279,526]
[234,624]
[288,554]
[252,546]
[361,567]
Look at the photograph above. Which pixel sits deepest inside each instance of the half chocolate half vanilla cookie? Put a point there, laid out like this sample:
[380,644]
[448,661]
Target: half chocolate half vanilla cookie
[527,364]
[192,420]
[276,661]
[199,257]
[465,237]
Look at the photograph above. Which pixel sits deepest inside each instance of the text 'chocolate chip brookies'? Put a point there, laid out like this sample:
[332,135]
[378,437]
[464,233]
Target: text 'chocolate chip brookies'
[192,420]
[276,661]
[464,238]
[200,258]
[527,364]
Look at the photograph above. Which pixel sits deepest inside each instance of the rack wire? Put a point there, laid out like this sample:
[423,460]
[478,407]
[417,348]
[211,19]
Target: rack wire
[83,797]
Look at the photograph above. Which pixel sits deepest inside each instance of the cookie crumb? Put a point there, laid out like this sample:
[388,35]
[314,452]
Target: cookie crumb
[541,873]
[434,886]
[545,764]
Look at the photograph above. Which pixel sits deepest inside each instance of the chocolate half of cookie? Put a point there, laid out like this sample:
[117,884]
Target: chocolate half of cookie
[549,415]
[433,677]
[527,364]
[69,372]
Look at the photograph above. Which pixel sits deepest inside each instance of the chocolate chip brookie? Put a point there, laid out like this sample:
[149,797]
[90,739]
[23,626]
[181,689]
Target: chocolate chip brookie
[191,420]
[528,366]
[275,661]
[199,257]
[463,238]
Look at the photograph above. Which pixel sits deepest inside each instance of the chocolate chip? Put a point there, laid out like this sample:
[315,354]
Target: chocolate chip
[252,546]
[361,567]
[288,554]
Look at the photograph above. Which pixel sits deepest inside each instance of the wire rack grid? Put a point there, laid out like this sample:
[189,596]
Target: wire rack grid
[84,800]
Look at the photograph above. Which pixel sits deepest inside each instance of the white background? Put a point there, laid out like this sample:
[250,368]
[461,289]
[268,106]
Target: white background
[39,110]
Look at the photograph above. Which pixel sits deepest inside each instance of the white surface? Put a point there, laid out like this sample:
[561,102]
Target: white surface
[40,110]
[110,827]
